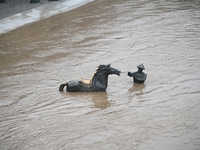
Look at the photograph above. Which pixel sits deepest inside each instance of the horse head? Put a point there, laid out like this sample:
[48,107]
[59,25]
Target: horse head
[108,69]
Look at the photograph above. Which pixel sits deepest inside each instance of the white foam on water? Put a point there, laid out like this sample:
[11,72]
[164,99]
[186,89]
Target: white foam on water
[35,14]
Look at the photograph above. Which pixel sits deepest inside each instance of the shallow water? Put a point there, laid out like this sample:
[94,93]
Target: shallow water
[163,113]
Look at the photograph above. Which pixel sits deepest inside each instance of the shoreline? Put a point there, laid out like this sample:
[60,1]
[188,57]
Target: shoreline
[38,13]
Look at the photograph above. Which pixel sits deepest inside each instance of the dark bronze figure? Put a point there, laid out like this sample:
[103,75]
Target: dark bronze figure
[138,76]
[34,1]
[98,82]
[2,1]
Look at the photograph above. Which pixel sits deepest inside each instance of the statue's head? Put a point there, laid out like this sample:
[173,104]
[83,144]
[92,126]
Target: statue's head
[141,67]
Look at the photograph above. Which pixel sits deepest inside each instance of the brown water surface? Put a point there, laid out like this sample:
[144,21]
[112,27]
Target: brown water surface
[163,113]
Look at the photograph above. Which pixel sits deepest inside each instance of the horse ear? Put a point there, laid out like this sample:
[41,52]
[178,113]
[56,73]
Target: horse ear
[109,65]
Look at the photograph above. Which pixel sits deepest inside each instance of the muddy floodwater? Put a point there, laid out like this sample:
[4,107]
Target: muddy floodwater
[161,114]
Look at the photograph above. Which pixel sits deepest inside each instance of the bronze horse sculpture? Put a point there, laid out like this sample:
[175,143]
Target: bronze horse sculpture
[98,83]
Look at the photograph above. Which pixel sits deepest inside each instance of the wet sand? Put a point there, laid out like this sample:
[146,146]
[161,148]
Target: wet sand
[163,113]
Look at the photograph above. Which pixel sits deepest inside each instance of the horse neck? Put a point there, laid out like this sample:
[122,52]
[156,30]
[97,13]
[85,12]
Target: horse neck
[103,78]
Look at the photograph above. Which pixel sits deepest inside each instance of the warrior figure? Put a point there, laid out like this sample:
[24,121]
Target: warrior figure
[138,76]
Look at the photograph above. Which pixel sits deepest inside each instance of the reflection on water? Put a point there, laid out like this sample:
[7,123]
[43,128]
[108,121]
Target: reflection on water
[100,100]
[163,113]
[137,88]
[137,91]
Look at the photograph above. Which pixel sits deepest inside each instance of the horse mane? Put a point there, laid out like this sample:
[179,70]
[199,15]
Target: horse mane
[99,71]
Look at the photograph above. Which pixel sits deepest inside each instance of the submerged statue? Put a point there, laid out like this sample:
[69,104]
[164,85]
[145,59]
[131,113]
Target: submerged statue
[98,83]
[138,76]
